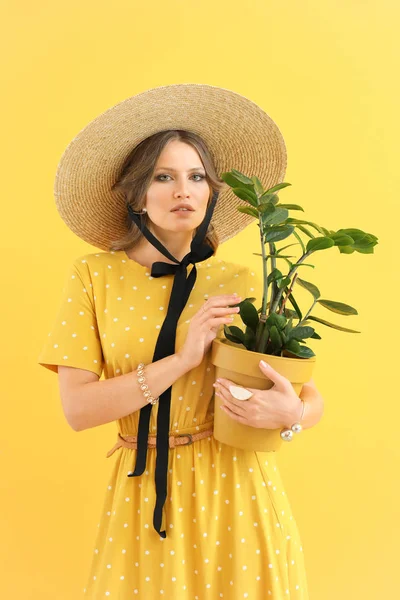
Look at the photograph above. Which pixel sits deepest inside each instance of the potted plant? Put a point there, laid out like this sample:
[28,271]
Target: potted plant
[276,332]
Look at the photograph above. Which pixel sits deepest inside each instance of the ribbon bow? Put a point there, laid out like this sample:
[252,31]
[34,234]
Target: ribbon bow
[165,346]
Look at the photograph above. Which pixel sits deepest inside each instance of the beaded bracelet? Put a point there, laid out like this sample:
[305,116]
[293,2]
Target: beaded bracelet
[143,385]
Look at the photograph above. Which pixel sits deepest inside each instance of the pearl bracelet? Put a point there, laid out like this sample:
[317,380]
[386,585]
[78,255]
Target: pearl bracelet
[287,434]
[143,385]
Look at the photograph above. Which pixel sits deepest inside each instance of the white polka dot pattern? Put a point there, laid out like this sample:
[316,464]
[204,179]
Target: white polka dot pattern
[231,532]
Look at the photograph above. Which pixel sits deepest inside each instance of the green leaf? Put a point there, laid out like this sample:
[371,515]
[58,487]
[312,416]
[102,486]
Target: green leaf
[275,337]
[341,239]
[315,336]
[318,320]
[287,246]
[280,186]
[274,217]
[293,345]
[274,255]
[274,234]
[249,315]
[338,307]
[306,231]
[276,320]
[249,338]
[295,305]
[246,195]
[234,182]
[284,282]
[291,206]
[304,222]
[310,287]
[346,249]
[269,199]
[303,352]
[274,276]
[236,332]
[258,186]
[301,333]
[319,243]
[248,210]
[242,177]
[296,235]
[230,337]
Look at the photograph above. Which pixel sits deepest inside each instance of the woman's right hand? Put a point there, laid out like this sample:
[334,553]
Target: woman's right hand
[204,326]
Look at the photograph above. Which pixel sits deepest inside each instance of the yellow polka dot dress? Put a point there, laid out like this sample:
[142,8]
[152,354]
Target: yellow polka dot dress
[230,529]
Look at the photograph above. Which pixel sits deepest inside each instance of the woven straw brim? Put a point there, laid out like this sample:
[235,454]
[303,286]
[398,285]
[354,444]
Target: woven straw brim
[238,133]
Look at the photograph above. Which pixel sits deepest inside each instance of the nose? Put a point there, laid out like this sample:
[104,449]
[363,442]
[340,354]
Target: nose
[181,189]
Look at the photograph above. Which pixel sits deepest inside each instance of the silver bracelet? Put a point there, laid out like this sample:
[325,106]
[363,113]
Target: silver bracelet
[287,434]
[143,385]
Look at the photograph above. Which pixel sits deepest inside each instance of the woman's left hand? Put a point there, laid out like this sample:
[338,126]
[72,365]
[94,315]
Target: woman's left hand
[277,407]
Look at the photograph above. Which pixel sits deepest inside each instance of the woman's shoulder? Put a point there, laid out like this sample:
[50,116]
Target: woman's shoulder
[235,268]
[95,261]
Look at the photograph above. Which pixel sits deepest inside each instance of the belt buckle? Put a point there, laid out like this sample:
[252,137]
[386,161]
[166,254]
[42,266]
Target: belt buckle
[189,435]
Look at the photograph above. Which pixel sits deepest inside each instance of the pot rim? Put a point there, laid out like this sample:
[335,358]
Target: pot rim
[269,356]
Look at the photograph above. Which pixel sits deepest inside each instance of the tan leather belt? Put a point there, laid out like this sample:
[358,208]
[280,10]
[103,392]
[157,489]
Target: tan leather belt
[183,439]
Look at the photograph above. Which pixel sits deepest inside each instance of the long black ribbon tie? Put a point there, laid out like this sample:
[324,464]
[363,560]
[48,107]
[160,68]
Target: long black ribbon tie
[165,346]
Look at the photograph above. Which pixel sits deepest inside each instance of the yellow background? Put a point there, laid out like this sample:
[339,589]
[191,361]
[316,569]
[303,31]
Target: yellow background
[327,73]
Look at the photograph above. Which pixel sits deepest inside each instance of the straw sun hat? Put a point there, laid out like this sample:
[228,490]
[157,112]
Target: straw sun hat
[238,133]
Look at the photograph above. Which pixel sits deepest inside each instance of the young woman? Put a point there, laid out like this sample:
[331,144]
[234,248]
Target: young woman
[184,515]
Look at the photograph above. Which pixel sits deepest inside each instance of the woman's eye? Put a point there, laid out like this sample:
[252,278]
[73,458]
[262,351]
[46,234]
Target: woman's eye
[194,175]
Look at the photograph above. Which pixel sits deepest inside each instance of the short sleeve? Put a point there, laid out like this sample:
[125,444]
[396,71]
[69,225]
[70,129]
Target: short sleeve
[74,339]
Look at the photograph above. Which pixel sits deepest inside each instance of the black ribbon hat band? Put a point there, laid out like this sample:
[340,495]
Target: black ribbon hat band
[165,346]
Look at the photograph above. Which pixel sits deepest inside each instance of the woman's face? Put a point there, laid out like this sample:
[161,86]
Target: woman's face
[179,176]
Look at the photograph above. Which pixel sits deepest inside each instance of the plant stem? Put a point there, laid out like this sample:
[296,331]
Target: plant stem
[263,315]
[306,315]
[290,274]
[280,311]
[274,287]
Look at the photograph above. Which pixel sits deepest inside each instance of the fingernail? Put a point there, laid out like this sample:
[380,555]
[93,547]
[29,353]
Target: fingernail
[263,363]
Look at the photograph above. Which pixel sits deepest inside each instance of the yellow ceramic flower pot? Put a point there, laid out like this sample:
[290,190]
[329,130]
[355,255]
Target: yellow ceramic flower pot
[241,366]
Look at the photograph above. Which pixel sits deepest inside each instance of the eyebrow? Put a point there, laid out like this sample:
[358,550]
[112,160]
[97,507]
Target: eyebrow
[174,170]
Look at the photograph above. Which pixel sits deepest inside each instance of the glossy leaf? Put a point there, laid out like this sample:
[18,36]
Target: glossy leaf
[275,337]
[338,307]
[269,199]
[301,333]
[274,217]
[234,182]
[310,287]
[323,322]
[242,177]
[246,195]
[276,320]
[319,243]
[248,210]
[278,187]
[230,337]
[291,206]
[258,186]
[279,232]
[249,315]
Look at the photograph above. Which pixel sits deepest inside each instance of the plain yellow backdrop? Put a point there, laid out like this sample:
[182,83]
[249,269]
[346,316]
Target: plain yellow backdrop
[327,73]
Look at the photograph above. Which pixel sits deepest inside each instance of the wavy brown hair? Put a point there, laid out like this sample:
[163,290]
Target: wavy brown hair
[137,172]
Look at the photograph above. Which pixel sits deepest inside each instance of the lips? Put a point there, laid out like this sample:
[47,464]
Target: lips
[182,205]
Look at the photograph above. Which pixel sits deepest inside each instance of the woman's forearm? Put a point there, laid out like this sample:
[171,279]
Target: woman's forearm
[314,405]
